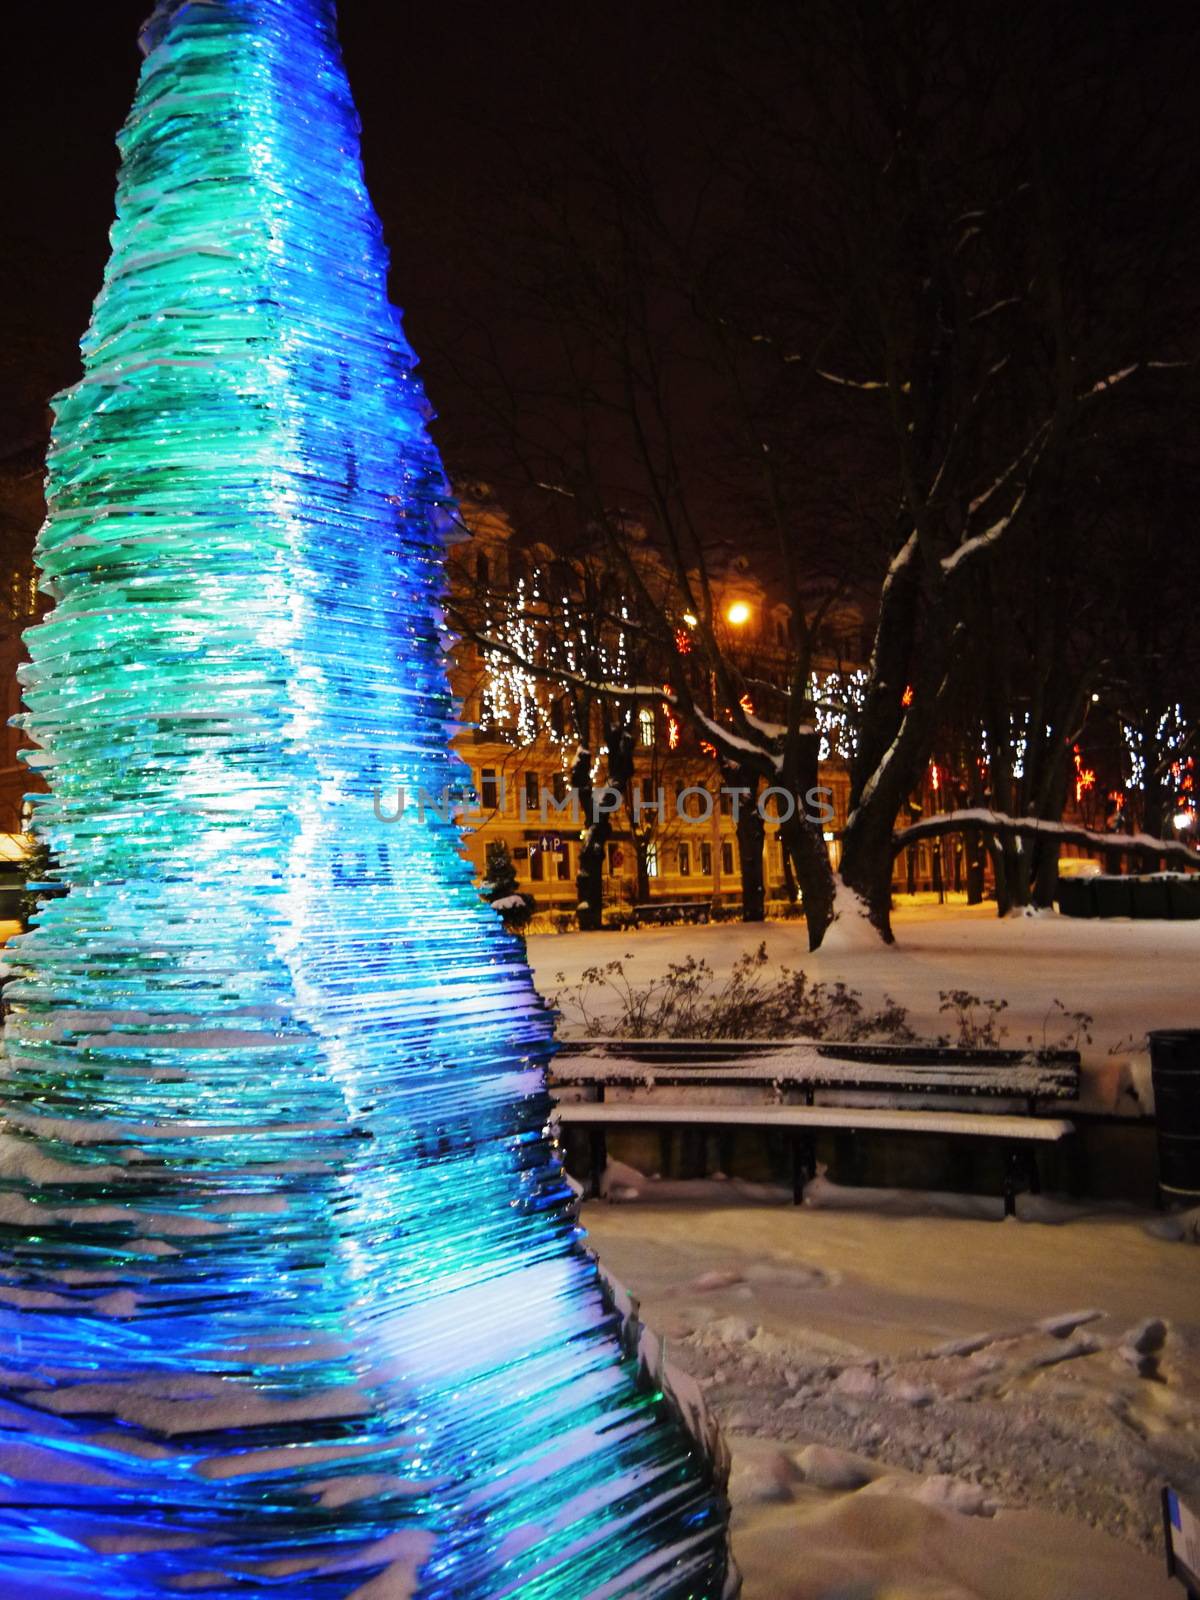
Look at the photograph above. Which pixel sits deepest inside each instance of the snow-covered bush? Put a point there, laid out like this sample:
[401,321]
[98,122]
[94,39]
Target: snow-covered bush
[754,1001]
[502,891]
[978,1026]
[977,1021]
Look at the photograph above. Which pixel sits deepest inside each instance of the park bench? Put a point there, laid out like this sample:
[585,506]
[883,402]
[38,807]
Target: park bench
[721,1085]
[663,911]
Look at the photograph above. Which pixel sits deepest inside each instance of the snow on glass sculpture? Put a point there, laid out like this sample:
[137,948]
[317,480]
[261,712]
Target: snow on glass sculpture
[293,1299]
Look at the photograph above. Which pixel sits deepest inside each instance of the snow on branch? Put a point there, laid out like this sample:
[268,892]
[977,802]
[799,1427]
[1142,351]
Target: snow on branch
[900,560]
[1038,828]
[846,383]
[769,730]
[980,541]
[997,305]
[981,500]
[885,762]
[730,743]
[990,534]
[1113,379]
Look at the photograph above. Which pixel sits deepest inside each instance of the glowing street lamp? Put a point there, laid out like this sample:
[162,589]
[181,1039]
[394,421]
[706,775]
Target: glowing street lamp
[738,614]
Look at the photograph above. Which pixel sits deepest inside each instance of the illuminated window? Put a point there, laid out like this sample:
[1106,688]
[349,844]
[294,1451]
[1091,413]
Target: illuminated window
[646,728]
[652,860]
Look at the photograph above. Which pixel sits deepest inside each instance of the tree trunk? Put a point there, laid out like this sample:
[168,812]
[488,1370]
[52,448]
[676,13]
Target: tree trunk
[1046,852]
[973,848]
[597,826]
[804,846]
[589,880]
[974,845]
[867,863]
[803,840]
[995,849]
[789,876]
[1016,872]
[641,855]
[751,834]
[893,751]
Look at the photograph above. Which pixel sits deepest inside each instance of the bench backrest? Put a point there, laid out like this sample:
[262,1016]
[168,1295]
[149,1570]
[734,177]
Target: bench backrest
[943,1069]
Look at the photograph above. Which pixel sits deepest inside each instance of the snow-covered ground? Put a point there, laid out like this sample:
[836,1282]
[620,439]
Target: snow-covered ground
[927,1406]
[1128,976]
[925,1403]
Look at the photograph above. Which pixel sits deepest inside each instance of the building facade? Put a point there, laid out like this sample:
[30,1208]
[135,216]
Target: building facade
[675,831]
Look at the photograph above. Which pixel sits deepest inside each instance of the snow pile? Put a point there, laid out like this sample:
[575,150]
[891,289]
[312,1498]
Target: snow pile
[927,1405]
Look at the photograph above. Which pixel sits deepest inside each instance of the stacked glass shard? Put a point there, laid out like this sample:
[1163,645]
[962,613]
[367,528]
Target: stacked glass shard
[293,1298]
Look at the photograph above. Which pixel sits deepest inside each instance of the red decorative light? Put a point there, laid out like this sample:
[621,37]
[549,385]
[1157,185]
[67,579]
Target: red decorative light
[906,699]
[1085,778]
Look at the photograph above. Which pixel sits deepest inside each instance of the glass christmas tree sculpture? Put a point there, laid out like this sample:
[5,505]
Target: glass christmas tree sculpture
[293,1299]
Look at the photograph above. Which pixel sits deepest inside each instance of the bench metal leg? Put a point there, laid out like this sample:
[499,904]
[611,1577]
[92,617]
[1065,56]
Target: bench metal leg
[725,1152]
[1012,1173]
[1033,1175]
[849,1157]
[804,1164]
[598,1158]
[666,1148]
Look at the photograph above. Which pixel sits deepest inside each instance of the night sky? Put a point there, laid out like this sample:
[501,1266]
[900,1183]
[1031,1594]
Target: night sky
[440,89]
[455,98]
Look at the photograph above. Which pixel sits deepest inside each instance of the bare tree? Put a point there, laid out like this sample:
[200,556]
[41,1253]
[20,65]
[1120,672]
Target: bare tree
[873,325]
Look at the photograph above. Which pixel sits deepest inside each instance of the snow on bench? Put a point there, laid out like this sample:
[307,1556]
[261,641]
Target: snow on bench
[689,1083]
[1039,1130]
[788,1065]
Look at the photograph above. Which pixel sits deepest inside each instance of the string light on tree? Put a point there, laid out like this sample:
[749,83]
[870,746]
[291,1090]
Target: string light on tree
[838,699]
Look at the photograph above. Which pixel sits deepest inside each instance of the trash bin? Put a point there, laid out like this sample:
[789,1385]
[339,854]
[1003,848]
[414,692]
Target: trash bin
[1185,898]
[1151,897]
[1075,897]
[1175,1072]
[1114,896]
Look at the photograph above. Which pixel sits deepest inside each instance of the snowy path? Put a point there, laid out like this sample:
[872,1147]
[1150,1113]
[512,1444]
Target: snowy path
[1129,976]
[968,1366]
